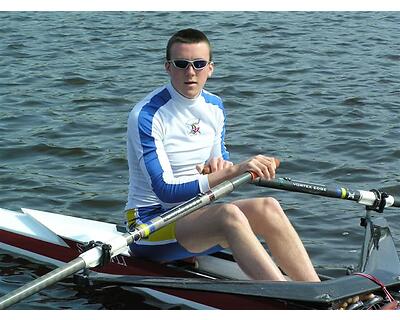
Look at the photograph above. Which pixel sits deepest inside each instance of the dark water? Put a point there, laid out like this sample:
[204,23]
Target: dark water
[319,90]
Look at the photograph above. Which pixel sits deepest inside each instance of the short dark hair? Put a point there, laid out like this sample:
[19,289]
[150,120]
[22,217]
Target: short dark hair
[187,36]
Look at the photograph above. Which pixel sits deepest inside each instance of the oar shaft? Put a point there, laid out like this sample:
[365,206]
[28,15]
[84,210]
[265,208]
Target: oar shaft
[188,207]
[40,283]
[367,198]
[92,257]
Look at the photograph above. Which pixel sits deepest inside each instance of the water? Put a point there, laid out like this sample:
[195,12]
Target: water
[319,90]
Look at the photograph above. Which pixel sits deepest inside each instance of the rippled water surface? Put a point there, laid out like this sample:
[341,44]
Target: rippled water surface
[319,90]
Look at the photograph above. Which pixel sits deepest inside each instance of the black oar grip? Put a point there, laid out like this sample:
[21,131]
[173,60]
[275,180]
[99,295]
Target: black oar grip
[369,198]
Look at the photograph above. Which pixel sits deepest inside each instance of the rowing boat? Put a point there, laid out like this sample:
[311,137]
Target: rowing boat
[216,281]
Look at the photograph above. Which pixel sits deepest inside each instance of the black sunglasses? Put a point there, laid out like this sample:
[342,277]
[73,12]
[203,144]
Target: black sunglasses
[183,63]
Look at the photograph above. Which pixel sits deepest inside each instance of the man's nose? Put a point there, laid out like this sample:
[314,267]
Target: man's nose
[190,69]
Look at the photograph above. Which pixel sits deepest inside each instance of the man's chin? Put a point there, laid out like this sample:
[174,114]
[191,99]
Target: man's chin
[190,94]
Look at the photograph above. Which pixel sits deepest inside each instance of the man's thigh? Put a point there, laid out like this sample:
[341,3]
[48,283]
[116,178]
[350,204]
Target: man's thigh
[201,229]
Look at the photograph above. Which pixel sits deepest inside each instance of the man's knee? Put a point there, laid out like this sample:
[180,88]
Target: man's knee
[271,203]
[274,214]
[232,217]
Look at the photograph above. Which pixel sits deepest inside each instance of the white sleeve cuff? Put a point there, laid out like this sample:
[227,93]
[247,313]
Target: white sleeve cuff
[203,182]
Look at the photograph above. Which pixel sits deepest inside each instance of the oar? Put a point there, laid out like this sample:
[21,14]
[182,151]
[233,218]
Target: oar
[92,257]
[372,198]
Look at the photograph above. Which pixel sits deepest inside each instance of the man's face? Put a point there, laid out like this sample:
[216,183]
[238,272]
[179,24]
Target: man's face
[189,82]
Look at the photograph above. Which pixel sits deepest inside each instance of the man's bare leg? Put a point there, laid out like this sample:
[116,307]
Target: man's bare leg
[227,226]
[268,220]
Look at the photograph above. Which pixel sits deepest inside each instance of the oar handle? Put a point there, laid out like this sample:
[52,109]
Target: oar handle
[368,198]
[207,167]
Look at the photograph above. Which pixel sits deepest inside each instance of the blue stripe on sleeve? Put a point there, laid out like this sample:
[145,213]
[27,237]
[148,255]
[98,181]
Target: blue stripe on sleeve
[167,193]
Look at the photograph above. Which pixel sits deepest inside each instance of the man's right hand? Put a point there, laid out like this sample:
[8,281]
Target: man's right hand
[214,165]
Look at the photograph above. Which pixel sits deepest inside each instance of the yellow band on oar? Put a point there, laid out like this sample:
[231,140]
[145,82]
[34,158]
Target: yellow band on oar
[344,193]
[144,229]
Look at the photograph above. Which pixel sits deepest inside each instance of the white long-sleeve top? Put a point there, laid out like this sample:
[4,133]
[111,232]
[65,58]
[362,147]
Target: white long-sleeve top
[168,135]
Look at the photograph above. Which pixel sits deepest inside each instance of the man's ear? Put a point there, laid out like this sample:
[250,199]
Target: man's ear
[210,69]
[167,66]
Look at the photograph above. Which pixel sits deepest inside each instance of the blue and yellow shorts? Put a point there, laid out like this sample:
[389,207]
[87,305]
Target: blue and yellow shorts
[160,245]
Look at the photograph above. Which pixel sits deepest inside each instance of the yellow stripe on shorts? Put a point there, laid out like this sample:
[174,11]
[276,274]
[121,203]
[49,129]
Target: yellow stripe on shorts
[165,233]
[131,216]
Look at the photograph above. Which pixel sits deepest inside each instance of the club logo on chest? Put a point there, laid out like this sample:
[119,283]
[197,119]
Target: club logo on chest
[193,127]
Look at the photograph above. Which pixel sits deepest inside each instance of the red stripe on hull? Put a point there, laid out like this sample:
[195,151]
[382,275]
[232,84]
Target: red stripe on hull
[40,247]
[124,265]
[120,265]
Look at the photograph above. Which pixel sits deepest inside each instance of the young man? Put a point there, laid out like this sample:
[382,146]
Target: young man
[172,134]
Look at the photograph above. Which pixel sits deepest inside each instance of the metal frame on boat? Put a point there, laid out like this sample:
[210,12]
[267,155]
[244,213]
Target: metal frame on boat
[216,281]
